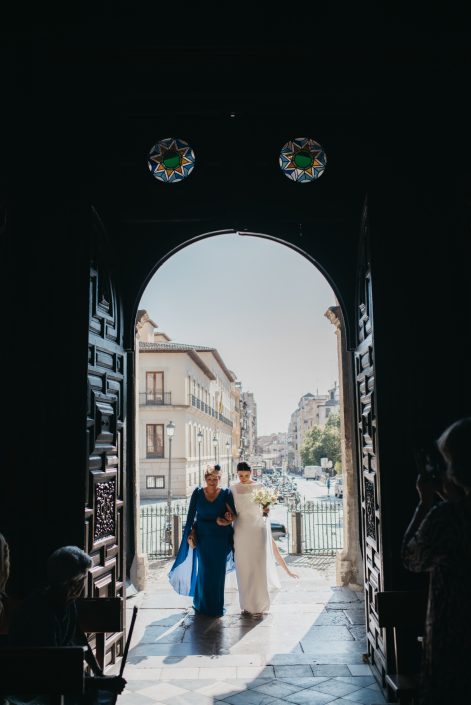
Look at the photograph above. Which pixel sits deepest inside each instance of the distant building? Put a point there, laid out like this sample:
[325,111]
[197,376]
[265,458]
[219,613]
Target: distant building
[274,449]
[191,386]
[250,427]
[236,412]
[312,410]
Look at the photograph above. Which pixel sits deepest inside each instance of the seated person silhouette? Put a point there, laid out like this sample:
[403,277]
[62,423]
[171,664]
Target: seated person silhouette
[49,618]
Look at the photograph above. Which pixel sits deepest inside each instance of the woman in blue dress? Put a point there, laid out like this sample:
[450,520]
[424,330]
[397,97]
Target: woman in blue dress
[206,550]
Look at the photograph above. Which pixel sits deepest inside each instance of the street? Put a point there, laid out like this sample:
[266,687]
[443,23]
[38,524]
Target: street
[308,490]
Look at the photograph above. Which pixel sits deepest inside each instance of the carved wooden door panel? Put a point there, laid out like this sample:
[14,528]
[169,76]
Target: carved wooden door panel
[104,525]
[367,461]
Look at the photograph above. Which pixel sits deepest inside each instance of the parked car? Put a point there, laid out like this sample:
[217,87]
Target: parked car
[278,530]
[338,488]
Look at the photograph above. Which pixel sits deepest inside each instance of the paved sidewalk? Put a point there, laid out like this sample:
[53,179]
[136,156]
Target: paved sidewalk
[309,649]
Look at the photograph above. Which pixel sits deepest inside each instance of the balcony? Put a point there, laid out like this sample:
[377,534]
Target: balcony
[155,399]
[199,404]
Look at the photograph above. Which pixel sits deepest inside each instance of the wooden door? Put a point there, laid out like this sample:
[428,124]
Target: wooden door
[368,455]
[104,524]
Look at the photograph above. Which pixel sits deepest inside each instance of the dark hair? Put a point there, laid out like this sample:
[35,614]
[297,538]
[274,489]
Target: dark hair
[243,466]
[217,467]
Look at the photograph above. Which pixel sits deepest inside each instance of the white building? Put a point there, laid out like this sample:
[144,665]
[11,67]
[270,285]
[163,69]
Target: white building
[313,410]
[191,386]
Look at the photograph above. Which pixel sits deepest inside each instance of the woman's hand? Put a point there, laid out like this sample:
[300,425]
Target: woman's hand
[266,510]
[229,515]
[192,539]
[291,574]
[220,521]
[427,489]
[449,491]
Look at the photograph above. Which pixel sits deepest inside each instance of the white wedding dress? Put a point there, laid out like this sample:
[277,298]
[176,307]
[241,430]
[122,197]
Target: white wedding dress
[253,552]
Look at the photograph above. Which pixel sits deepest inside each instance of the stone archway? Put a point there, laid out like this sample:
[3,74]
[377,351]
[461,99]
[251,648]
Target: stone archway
[349,562]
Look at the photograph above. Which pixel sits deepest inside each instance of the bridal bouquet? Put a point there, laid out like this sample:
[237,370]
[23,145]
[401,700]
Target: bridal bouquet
[264,497]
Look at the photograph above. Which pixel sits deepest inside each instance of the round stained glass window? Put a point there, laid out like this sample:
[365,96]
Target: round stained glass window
[171,160]
[303,160]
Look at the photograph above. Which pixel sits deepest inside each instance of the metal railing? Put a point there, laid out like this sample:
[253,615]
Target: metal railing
[155,399]
[317,527]
[161,530]
[314,528]
[199,404]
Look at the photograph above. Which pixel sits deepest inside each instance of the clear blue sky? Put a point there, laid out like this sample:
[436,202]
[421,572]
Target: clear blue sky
[262,306]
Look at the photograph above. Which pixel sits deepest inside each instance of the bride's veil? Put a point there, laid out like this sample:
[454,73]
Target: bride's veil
[272,575]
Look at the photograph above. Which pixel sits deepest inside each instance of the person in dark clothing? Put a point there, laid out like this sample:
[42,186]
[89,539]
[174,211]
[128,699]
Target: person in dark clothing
[49,618]
[438,541]
[4,575]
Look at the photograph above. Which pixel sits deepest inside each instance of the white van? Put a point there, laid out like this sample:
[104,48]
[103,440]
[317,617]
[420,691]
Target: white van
[312,472]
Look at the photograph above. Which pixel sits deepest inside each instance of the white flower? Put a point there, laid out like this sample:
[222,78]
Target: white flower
[264,497]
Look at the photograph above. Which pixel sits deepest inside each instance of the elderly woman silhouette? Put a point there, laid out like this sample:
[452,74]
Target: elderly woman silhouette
[438,541]
[49,618]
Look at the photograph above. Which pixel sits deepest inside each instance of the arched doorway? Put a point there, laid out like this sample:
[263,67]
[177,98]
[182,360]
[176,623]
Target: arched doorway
[349,569]
[362,422]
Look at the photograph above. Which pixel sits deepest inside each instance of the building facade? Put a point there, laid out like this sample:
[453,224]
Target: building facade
[191,387]
[250,426]
[312,410]
[274,450]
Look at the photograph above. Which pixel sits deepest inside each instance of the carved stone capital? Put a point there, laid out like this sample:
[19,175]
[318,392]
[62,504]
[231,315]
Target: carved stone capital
[335,316]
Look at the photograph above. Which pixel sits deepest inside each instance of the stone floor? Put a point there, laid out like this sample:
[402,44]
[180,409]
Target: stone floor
[308,649]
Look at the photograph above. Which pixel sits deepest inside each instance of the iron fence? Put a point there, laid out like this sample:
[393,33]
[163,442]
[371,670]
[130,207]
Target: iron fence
[316,527]
[159,534]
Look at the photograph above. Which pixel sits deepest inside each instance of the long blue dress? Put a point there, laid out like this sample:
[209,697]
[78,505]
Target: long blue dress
[201,572]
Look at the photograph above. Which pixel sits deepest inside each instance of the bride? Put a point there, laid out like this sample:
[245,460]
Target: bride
[253,547]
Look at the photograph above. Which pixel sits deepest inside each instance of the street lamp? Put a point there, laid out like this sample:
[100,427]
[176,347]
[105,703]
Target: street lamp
[228,445]
[170,431]
[199,437]
[215,445]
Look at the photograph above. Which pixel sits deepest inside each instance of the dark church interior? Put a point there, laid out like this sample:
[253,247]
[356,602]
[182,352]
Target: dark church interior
[84,227]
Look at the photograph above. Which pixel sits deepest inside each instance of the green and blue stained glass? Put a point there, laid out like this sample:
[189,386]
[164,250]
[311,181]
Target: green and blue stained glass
[302,160]
[171,160]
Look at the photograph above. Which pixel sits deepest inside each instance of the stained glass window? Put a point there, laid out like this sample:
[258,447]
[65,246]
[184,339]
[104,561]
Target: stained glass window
[302,160]
[171,160]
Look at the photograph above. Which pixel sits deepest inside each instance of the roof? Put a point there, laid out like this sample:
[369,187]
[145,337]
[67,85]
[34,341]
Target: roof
[230,375]
[179,348]
[186,347]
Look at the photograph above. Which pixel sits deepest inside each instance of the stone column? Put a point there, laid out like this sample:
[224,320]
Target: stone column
[140,564]
[349,567]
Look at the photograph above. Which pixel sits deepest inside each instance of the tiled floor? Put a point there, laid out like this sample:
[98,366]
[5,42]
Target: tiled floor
[308,649]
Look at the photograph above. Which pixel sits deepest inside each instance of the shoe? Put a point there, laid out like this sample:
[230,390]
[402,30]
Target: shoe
[257,615]
[244,613]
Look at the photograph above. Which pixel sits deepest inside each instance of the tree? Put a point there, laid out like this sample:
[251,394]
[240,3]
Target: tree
[334,420]
[322,442]
[309,447]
